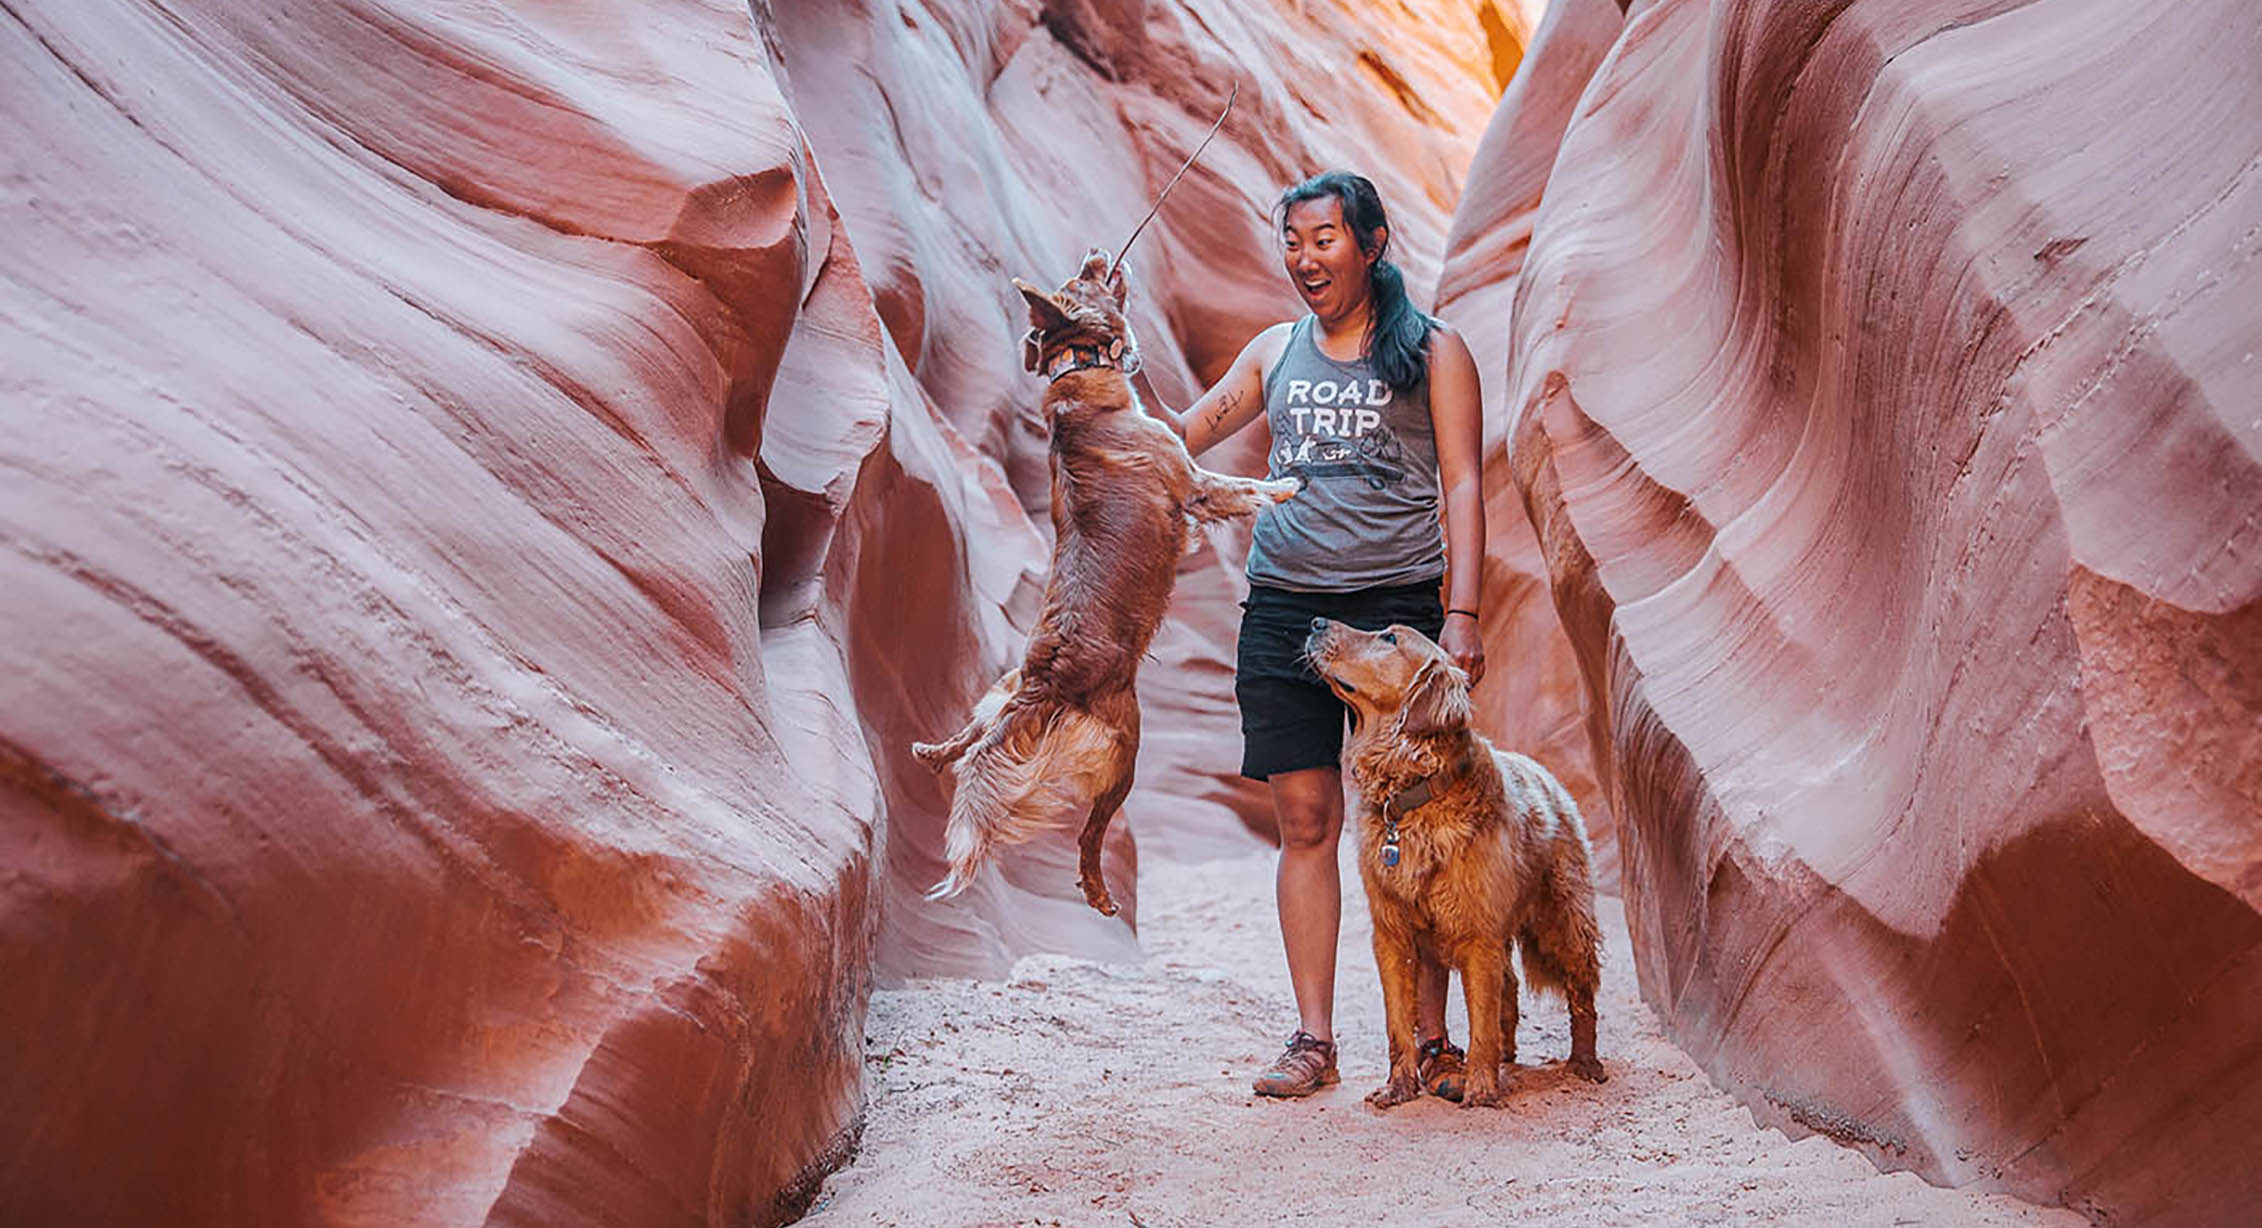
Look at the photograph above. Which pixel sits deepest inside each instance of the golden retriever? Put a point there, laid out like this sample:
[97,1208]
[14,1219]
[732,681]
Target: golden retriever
[1062,731]
[1465,852]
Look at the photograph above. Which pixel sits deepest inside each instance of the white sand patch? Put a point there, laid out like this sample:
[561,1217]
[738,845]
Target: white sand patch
[1081,1093]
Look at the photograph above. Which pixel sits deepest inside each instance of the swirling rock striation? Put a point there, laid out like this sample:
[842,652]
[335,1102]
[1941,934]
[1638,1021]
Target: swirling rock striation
[410,814]
[971,142]
[1884,383]
[494,490]
[1535,693]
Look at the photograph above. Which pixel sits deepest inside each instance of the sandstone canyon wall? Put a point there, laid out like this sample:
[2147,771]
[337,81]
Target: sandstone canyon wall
[1883,389]
[973,142]
[493,488]
[1534,698]
[412,816]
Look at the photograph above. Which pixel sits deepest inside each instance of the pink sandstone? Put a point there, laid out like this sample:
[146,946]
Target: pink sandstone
[1883,384]
[1533,698]
[409,816]
[994,140]
[494,491]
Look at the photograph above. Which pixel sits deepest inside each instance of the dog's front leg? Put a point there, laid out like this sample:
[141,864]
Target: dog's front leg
[1394,958]
[1222,496]
[1484,975]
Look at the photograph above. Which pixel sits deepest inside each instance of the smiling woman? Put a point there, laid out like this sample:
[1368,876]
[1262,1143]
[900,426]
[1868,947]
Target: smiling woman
[1374,405]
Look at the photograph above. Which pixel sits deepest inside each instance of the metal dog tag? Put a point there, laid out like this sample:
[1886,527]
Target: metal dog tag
[1389,855]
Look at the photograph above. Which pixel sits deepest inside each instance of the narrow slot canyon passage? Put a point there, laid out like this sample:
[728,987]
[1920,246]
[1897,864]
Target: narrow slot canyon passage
[497,490]
[1078,1092]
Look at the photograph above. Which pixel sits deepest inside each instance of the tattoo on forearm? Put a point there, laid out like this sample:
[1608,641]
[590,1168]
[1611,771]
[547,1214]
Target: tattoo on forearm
[1225,406]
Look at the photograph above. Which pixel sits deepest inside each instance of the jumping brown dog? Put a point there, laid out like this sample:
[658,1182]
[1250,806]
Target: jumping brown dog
[1063,729]
[1466,851]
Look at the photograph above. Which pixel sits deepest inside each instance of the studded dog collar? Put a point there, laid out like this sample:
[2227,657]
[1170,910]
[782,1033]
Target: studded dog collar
[1114,355]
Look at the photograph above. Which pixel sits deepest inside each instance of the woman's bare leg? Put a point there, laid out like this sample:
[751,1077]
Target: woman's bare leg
[1309,807]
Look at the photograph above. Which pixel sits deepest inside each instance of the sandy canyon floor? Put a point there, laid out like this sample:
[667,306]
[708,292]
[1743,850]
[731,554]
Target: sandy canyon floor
[1080,1093]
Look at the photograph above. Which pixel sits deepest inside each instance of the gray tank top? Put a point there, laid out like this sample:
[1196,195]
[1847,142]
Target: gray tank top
[1367,516]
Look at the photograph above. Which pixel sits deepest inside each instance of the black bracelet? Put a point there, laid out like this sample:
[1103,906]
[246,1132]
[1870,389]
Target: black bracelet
[1470,613]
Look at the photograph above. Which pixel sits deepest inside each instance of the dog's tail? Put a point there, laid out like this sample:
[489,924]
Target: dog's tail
[1029,774]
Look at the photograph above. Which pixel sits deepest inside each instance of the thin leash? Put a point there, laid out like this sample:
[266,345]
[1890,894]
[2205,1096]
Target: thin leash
[1032,344]
[1165,193]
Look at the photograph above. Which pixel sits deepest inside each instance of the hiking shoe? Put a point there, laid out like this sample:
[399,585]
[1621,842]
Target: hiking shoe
[1304,1067]
[1441,1068]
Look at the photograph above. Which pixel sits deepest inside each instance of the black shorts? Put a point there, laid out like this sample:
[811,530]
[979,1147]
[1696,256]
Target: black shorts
[1289,719]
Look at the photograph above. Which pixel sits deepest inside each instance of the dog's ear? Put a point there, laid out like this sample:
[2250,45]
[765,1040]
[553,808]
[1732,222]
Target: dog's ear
[1120,285]
[1045,314]
[1095,266]
[1438,702]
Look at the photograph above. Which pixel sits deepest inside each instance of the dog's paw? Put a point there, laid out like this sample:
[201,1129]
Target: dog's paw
[930,753]
[1394,1093]
[1589,1067]
[1095,894]
[945,889]
[1284,489]
[1484,1094]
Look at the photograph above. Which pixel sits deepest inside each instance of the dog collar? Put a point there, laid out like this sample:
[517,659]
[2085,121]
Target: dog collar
[1080,357]
[1412,797]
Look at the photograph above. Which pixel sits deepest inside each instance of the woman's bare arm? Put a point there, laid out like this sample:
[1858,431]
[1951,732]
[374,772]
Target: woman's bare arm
[1234,401]
[1456,409]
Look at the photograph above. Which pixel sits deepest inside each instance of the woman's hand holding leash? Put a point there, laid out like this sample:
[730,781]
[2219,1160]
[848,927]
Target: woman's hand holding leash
[1460,639]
